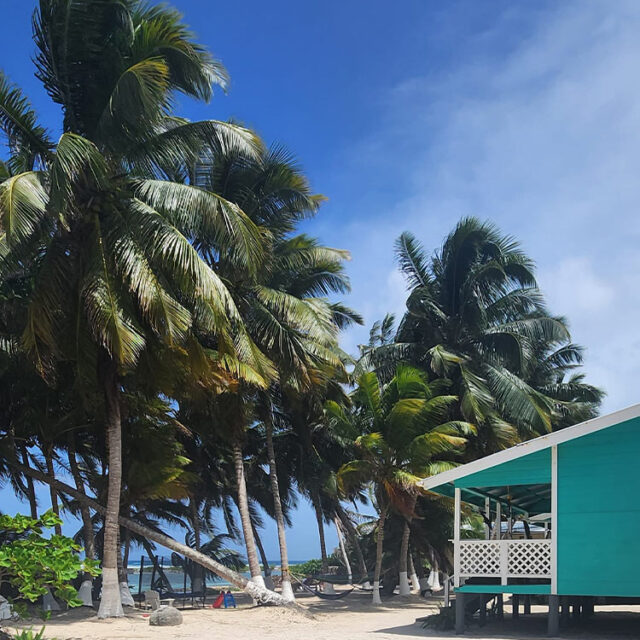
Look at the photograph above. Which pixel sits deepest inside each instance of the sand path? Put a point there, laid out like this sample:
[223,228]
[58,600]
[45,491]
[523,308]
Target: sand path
[352,618]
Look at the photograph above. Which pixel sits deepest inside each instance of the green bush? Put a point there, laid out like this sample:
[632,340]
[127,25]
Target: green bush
[33,564]
[309,568]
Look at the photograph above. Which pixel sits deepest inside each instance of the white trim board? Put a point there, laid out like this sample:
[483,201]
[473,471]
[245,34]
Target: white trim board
[531,446]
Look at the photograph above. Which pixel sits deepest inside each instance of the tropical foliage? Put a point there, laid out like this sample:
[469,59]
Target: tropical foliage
[34,564]
[169,335]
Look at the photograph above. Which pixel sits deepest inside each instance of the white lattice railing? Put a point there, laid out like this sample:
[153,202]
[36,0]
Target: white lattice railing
[504,559]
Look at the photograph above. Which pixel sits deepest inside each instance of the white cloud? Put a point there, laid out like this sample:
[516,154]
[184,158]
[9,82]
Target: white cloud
[545,141]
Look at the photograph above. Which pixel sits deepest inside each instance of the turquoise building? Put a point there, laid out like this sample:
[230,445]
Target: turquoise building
[562,518]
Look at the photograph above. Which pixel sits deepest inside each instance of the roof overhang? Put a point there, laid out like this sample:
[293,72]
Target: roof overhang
[531,446]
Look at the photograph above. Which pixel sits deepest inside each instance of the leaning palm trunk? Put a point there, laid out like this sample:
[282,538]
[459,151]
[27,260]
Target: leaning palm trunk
[404,588]
[268,580]
[413,575]
[48,456]
[355,543]
[110,605]
[254,590]
[379,549]
[31,492]
[86,588]
[343,551]
[245,518]
[286,589]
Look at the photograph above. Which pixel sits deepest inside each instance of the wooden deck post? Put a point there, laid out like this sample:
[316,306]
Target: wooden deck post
[564,614]
[527,605]
[459,613]
[482,617]
[553,623]
[515,606]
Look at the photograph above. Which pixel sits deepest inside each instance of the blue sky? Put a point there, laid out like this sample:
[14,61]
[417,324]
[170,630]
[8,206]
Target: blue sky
[411,115]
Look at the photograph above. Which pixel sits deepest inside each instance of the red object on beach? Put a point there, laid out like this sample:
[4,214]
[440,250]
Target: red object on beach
[219,600]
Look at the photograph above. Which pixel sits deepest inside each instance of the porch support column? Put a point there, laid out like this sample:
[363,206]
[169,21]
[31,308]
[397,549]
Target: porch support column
[487,515]
[456,540]
[554,520]
[553,623]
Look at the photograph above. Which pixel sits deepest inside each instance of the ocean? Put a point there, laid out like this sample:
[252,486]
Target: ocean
[176,576]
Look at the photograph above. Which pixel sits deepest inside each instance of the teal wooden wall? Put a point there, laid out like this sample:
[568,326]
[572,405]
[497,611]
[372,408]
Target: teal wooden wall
[599,513]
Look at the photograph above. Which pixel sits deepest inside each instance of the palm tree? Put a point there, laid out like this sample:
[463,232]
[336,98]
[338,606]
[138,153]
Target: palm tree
[475,315]
[283,304]
[94,216]
[402,432]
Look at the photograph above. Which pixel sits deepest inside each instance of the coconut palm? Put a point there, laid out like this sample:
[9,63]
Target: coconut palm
[93,215]
[475,315]
[283,304]
[403,432]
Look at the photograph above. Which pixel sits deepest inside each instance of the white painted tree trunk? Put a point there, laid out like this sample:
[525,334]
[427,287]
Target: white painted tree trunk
[110,603]
[49,603]
[434,578]
[403,587]
[258,581]
[125,595]
[413,576]
[85,593]
[327,587]
[376,593]
[343,550]
[287,590]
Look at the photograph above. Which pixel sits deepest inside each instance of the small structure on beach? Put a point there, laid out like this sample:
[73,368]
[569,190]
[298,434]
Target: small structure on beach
[582,484]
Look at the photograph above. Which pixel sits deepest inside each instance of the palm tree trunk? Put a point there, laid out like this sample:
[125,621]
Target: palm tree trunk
[48,457]
[245,517]
[379,549]
[404,589]
[255,591]
[317,505]
[286,588]
[343,551]
[86,588]
[263,557]
[320,521]
[195,522]
[353,537]
[110,605]
[413,575]
[31,492]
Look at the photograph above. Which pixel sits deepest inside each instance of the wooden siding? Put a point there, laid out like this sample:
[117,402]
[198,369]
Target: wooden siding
[598,525]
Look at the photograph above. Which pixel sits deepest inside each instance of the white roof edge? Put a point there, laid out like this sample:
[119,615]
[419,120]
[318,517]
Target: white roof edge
[531,446]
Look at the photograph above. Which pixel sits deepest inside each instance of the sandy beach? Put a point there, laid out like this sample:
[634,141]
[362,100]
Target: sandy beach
[351,618]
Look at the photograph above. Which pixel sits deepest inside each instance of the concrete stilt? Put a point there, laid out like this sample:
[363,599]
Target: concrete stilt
[553,625]
[564,615]
[459,613]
